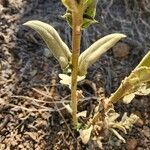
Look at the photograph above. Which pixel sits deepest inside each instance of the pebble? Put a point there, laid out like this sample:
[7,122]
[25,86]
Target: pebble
[131,144]
[4,3]
[47,53]
[146,131]
[140,148]
[139,123]
[121,50]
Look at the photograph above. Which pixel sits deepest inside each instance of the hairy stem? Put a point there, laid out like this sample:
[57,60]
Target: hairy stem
[77,18]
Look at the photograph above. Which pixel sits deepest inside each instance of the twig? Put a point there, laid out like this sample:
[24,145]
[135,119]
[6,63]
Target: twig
[63,118]
[37,100]
[40,92]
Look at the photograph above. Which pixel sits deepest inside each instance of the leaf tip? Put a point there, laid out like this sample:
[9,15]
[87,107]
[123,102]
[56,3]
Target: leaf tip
[29,23]
[120,35]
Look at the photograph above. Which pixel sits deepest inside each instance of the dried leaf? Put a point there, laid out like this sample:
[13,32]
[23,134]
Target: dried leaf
[113,116]
[119,127]
[86,134]
[112,123]
[118,135]
[68,108]
[124,117]
[66,79]
[129,121]
[82,114]
[144,89]
[128,98]
[33,135]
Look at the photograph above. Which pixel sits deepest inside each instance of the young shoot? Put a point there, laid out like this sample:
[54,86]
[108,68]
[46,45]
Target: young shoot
[79,15]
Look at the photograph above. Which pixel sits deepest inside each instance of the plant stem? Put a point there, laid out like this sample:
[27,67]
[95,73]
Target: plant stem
[77,18]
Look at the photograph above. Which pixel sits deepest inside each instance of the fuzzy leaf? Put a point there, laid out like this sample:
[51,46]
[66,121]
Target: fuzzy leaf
[90,55]
[136,83]
[59,49]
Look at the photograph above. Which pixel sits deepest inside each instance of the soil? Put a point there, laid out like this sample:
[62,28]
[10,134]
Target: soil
[32,116]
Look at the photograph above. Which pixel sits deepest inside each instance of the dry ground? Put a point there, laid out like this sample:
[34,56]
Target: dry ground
[29,118]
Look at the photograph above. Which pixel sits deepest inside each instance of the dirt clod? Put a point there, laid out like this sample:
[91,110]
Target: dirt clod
[146,131]
[131,144]
[121,50]
[139,123]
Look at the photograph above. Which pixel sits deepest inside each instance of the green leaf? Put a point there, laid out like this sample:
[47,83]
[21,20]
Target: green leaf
[136,83]
[68,17]
[87,22]
[85,7]
[145,61]
[90,55]
[89,13]
[59,49]
[143,89]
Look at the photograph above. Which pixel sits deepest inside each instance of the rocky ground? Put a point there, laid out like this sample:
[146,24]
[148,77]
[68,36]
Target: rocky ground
[31,113]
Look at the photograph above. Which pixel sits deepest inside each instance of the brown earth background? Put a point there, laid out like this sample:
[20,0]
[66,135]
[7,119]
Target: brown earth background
[30,120]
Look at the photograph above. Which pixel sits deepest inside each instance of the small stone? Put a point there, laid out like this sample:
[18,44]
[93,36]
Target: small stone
[33,72]
[118,143]
[121,50]
[146,131]
[138,113]
[131,144]
[4,3]
[139,123]
[47,53]
[140,148]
